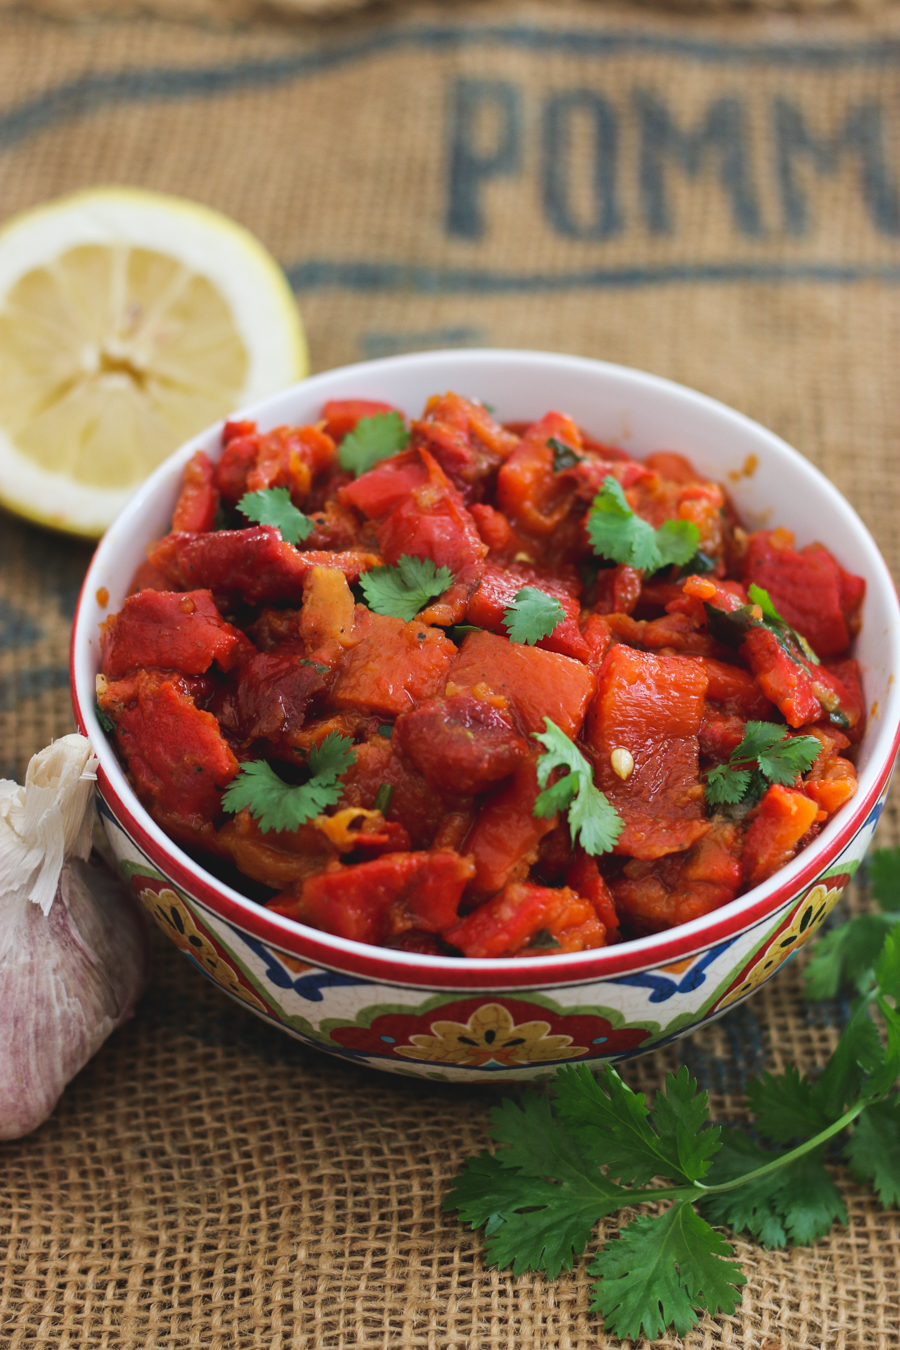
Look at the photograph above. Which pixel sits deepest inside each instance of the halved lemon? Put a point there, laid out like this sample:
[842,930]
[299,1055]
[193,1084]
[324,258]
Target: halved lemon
[129,321]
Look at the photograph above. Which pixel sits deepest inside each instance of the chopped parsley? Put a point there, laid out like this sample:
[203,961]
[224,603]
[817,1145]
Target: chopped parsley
[564,457]
[532,615]
[617,533]
[372,439]
[403,590]
[277,805]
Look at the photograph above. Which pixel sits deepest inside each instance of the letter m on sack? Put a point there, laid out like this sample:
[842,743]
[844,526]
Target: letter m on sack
[862,135]
[721,133]
[485,143]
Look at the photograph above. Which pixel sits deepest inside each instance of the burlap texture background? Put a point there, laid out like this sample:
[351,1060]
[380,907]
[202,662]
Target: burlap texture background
[714,201]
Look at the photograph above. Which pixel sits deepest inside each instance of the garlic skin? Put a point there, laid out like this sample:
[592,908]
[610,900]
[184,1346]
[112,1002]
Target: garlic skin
[74,950]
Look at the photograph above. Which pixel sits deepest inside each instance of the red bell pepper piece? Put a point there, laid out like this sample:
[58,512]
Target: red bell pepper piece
[198,501]
[783,818]
[377,900]
[254,565]
[462,744]
[174,750]
[497,590]
[535,684]
[506,925]
[651,706]
[394,666]
[175,630]
[341,415]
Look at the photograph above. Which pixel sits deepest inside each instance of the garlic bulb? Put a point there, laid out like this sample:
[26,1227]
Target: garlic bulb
[74,954]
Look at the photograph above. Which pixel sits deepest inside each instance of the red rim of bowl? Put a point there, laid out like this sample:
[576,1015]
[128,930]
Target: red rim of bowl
[447,973]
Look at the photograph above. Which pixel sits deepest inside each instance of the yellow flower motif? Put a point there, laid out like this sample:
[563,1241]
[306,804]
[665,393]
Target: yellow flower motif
[810,915]
[177,922]
[490,1035]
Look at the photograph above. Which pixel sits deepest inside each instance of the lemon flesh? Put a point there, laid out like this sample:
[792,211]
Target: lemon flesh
[128,323]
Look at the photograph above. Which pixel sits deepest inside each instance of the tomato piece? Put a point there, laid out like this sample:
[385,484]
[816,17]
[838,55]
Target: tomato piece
[460,744]
[393,666]
[781,677]
[174,750]
[414,804]
[291,457]
[736,691]
[505,837]
[273,692]
[464,439]
[499,587]
[506,925]
[176,630]
[432,522]
[651,706]
[806,587]
[529,493]
[583,875]
[377,900]
[254,565]
[784,816]
[198,501]
[720,733]
[241,443]
[535,684]
[653,896]
[341,415]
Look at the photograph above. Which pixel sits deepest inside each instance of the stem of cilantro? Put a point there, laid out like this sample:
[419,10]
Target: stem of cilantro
[785,1158]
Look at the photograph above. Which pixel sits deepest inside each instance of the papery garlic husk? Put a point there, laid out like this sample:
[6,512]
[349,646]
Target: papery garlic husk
[74,950]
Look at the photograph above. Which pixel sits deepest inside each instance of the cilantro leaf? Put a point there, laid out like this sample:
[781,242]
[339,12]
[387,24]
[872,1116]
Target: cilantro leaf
[726,786]
[532,615]
[106,723]
[887,967]
[614,1120]
[558,1216]
[798,1200]
[785,1106]
[593,820]
[372,439]
[775,757]
[624,1136]
[660,1270]
[405,589]
[681,1117]
[273,506]
[564,457]
[873,1150]
[859,1052]
[884,877]
[616,532]
[277,805]
[761,597]
[847,955]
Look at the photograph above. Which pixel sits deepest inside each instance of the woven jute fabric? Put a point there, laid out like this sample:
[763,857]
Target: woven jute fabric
[716,201]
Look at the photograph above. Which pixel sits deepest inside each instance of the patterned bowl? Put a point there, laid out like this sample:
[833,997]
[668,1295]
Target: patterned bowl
[436,1017]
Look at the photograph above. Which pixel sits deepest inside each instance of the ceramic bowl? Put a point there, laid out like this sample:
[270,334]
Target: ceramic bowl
[440,1018]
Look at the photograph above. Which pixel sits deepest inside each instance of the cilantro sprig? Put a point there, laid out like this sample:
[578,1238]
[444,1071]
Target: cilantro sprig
[277,805]
[566,1162]
[731,626]
[594,823]
[273,506]
[617,533]
[372,439]
[767,754]
[532,615]
[403,590]
[846,955]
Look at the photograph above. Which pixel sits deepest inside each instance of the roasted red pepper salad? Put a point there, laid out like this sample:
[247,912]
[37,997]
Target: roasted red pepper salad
[477,690]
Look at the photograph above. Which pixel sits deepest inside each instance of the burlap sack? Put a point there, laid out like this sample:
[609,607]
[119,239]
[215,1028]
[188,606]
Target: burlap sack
[717,202]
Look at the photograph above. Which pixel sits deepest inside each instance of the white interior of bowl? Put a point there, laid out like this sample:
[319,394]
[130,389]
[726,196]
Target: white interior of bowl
[639,412]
